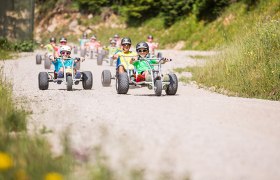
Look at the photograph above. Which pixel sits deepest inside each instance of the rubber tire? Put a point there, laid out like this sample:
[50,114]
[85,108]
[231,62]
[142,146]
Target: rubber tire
[87,79]
[99,59]
[106,78]
[43,80]
[158,87]
[122,83]
[173,86]
[83,52]
[78,65]
[69,84]
[38,59]
[91,54]
[75,50]
[159,55]
[47,63]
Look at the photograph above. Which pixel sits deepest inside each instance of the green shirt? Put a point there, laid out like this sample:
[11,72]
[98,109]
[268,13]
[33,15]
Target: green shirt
[142,65]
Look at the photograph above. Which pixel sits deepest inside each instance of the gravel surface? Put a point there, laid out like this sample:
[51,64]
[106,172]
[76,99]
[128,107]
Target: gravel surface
[197,133]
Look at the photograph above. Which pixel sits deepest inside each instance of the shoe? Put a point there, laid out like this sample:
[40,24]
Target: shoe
[148,78]
[166,78]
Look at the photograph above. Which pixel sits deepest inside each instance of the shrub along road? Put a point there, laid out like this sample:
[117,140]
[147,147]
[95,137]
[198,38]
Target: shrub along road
[198,133]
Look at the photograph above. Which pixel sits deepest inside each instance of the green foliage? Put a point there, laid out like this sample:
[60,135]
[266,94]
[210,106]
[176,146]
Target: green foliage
[24,46]
[250,66]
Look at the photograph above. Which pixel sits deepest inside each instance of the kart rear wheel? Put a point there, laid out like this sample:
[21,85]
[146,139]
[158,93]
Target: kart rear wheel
[87,80]
[122,83]
[106,78]
[43,79]
[91,54]
[173,86]
[69,81]
[38,59]
[47,63]
[158,87]
[99,59]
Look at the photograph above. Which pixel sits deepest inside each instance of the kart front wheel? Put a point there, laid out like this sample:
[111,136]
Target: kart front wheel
[122,83]
[87,80]
[43,79]
[69,84]
[38,59]
[106,78]
[99,59]
[173,85]
[158,87]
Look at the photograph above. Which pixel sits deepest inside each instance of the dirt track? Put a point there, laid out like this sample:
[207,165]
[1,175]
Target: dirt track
[199,133]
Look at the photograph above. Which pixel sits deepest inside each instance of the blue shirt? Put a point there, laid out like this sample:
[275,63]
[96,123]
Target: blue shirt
[67,63]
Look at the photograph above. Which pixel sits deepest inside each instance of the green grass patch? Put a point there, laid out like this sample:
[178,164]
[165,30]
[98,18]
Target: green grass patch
[250,66]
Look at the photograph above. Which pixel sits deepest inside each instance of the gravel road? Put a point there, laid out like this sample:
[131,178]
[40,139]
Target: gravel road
[197,133]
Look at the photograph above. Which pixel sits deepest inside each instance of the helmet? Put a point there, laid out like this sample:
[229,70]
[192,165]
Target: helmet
[142,45]
[65,48]
[63,39]
[150,37]
[53,39]
[113,41]
[116,36]
[126,40]
[93,37]
[85,35]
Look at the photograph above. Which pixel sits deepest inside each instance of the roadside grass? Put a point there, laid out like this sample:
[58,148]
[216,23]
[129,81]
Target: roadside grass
[249,67]
[24,156]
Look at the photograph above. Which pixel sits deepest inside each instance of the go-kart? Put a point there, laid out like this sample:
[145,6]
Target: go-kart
[157,82]
[69,78]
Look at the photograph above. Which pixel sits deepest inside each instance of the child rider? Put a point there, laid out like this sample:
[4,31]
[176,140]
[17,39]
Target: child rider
[123,57]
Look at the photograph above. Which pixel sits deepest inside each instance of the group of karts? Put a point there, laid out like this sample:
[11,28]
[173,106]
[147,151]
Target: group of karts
[122,81]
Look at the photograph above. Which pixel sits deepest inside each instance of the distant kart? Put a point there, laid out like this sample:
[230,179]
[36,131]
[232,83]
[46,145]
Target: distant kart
[69,78]
[157,82]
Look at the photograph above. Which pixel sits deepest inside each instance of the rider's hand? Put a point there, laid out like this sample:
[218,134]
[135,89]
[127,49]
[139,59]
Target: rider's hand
[51,57]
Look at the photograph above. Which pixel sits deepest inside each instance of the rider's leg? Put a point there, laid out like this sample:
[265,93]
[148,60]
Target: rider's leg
[60,73]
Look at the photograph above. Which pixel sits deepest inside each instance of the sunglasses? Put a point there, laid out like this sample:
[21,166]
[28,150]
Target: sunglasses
[126,44]
[63,42]
[144,50]
[63,52]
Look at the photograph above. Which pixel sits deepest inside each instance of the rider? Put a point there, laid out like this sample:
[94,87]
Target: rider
[93,43]
[118,40]
[63,42]
[51,47]
[83,40]
[123,62]
[65,52]
[112,48]
[152,45]
[142,67]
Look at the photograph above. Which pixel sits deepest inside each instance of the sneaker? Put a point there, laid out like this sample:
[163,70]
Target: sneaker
[148,78]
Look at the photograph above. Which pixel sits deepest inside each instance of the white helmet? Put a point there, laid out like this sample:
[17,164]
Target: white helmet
[65,48]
